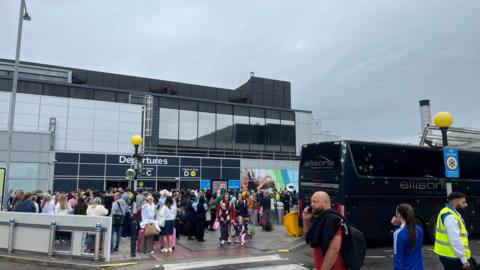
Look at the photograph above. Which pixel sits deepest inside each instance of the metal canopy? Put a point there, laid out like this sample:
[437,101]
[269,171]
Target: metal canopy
[462,138]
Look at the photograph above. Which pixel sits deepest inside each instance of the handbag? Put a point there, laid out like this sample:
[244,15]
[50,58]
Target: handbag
[117,220]
[216,225]
[161,221]
[161,218]
[150,230]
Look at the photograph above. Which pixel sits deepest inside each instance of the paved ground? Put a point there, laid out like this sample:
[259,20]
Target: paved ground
[24,266]
[379,257]
[267,250]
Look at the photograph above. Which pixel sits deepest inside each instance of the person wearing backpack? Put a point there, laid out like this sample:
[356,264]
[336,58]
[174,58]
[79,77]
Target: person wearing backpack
[336,244]
[407,240]
[323,232]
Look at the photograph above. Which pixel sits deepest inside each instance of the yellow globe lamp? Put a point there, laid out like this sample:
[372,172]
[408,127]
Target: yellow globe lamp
[137,140]
[443,119]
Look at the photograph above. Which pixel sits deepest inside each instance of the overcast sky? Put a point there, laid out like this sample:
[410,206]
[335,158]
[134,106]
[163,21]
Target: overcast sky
[360,66]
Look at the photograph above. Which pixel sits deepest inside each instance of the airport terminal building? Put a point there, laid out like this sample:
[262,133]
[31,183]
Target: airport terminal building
[73,127]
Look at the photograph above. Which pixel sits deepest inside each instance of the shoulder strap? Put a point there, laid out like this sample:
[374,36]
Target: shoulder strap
[120,206]
[346,228]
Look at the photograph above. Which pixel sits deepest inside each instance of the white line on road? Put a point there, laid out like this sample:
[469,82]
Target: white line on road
[375,257]
[280,267]
[199,264]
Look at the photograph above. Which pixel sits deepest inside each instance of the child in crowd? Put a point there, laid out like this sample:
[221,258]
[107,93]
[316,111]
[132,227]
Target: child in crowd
[240,231]
[224,218]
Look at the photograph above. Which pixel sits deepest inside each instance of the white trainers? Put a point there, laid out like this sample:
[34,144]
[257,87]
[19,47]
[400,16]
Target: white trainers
[151,252]
[164,250]
[170,250]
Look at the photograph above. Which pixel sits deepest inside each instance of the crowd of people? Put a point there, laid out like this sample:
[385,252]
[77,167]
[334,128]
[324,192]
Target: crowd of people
[167,214]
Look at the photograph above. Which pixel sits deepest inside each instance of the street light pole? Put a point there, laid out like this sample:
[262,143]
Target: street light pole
[444,120]
[11,112]
[137,158]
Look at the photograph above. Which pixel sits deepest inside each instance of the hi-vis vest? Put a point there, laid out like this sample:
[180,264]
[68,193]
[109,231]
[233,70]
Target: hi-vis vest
[442,243]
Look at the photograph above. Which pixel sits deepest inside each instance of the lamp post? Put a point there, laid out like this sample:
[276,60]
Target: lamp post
[137,159]
[11,112]
[444,120]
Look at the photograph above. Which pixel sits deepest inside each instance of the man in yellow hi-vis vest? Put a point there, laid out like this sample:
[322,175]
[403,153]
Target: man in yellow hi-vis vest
[451,236]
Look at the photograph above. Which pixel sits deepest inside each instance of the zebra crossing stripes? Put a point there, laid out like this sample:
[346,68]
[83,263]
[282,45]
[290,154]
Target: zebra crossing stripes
[271,262]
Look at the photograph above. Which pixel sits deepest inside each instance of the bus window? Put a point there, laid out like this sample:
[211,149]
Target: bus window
[321,157]
[370,160]
[469,165]
[415,163]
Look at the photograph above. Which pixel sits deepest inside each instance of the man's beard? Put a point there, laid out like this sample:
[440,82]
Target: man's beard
[317,212]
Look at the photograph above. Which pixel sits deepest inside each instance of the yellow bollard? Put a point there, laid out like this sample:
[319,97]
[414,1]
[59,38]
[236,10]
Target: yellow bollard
[290,221]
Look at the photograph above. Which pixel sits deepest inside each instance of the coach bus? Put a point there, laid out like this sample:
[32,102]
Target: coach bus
[366,181]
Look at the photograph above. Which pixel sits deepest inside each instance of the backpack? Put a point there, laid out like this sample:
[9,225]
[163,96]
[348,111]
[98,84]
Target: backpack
[353,246]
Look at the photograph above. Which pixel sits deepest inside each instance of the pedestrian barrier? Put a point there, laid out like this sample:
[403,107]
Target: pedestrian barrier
[290,222]
[79,236]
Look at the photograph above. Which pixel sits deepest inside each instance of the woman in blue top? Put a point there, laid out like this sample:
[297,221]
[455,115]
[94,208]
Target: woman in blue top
[407,240]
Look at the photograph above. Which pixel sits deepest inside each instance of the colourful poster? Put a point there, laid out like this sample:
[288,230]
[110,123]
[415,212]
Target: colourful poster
[257,179]
[205,184]
[234,184]
[217,185]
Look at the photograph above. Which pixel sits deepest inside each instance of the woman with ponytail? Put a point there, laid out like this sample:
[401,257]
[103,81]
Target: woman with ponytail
[407,240]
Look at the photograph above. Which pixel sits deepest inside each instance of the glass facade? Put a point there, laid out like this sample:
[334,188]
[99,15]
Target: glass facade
[224,133]
[274,133]
[188,124]
[168,129]
[257,133]
[241,131]
[239,128]
[206,129]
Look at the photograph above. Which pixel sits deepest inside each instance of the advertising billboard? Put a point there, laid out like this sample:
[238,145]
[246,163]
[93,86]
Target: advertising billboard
[257,179]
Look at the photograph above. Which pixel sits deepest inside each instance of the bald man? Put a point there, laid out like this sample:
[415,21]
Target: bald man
[323,231]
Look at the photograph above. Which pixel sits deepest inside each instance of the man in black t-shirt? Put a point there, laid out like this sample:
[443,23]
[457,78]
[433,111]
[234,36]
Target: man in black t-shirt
[265,202]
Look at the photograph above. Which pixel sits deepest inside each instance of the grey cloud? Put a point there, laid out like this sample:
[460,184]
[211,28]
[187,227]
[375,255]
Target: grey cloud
[362,66]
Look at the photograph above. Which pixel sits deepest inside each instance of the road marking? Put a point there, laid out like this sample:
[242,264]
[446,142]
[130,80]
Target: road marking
[297,245]
[375,257]
[233,261]
[279,267]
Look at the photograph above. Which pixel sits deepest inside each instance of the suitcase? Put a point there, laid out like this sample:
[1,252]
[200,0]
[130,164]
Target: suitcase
[140,240]
[268,226]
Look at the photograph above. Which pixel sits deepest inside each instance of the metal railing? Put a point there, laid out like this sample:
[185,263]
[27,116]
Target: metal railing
[463,138]
[98,232]
[220,153]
